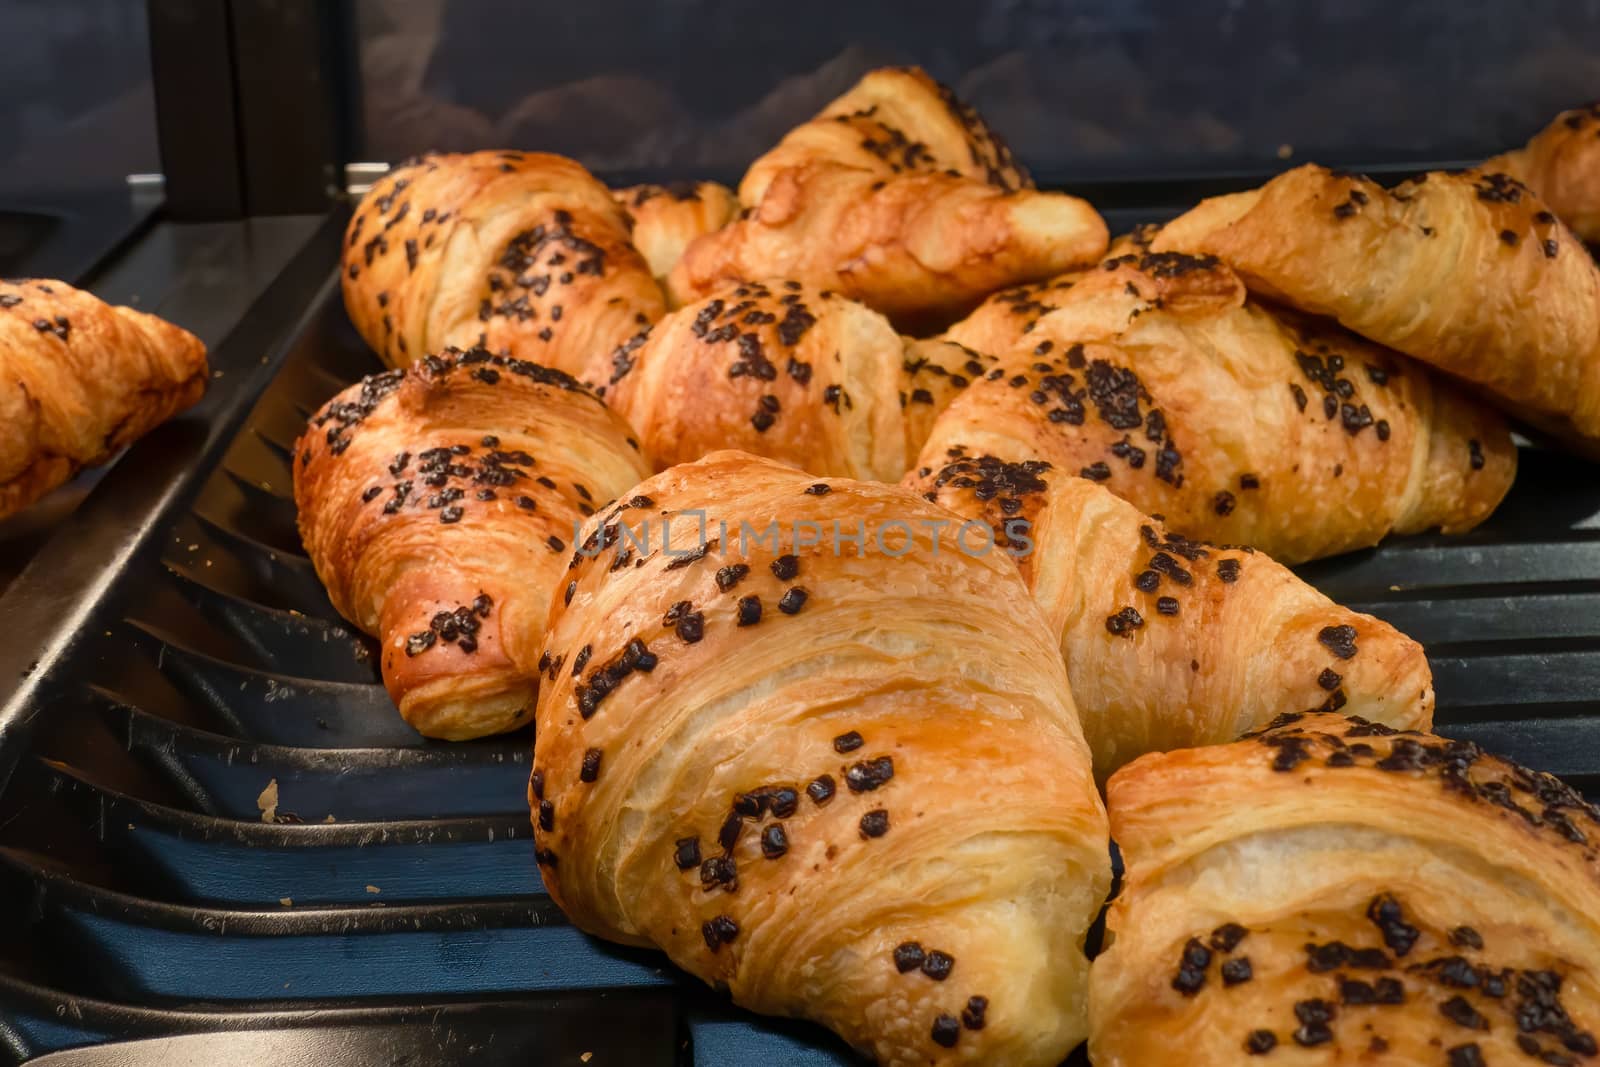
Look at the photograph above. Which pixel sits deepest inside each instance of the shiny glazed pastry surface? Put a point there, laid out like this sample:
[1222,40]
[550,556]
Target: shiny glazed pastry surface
[523,252]
[847,785]
[897,194]
[1239,421]
[1330,891]
[1469,272]
[1562,165]
[438,504]
[665,218]
[1168,642]
[783,370]
[80,380]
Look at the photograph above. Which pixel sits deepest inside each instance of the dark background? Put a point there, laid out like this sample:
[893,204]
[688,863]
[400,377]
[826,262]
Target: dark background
[76,109]
[1084,89]
[1081,88]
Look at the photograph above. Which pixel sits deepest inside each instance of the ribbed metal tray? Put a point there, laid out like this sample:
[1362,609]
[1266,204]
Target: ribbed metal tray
[388,906]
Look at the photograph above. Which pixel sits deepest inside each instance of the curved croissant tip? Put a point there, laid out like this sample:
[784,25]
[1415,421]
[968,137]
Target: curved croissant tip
[1070,232]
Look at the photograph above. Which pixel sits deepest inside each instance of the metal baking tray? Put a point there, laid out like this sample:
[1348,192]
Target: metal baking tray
[219,843]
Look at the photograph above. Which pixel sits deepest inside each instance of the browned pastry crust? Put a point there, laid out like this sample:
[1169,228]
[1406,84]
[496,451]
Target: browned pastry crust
[1330,892]
[895,120]
[1135,241]
[933,373]
[1168,642]
[897,195]
[665,218]
[438,504]
[845,787]
[79,381]
[1005,318]
[783,370]
[1562,165]
[1239,422]
[523,252]
[1469,272]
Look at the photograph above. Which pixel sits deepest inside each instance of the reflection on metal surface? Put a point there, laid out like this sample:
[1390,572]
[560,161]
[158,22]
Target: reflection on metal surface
[1082,89]
[79,109]
[359,177]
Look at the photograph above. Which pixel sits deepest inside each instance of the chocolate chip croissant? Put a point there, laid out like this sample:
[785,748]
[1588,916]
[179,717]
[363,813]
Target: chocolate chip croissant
[664,218]
[1333,892]
[842,779]
[1156,375]
[523,252]
[783,370]
[438,504]
[1168,642]
[1562,165]
[898,195]
[79,381]
[1469,272]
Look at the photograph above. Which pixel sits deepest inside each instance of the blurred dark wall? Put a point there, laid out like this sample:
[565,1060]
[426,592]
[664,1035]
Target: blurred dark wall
[78,112]
[1082,88]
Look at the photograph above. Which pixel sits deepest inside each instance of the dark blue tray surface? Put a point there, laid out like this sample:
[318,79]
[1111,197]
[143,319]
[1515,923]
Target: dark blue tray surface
[387,904]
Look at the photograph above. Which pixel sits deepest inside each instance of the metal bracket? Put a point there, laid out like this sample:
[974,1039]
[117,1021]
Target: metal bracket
[359,177]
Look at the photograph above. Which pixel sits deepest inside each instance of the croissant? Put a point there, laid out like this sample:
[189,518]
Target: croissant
[522,252]
[783,370]
[840,778]
[665,218]
[1168,642]
[1562,166]
[438,503]
[79,381]
[1469,272]
[897,195]
[1005,318]
[1333,892]
[1238,422]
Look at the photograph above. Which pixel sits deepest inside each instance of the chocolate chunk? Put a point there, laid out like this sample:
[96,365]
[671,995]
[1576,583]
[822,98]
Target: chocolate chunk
[1192,966]
[1226,937]
[869,775]
[1340,640]
[1260,1042]
[1236,971]
[875,823]
[821,790]
[1314,1016]
[938,965]
[908,956]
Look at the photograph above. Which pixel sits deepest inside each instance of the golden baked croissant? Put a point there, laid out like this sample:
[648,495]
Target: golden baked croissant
[665,218]
[843,780]
[786,371]
[1238,422]
[523,252]
[899,196]
[1005,318]
[438,504]
[1562,165]
[1469,272]
[1332,892]
[1168,642]
[80,380]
